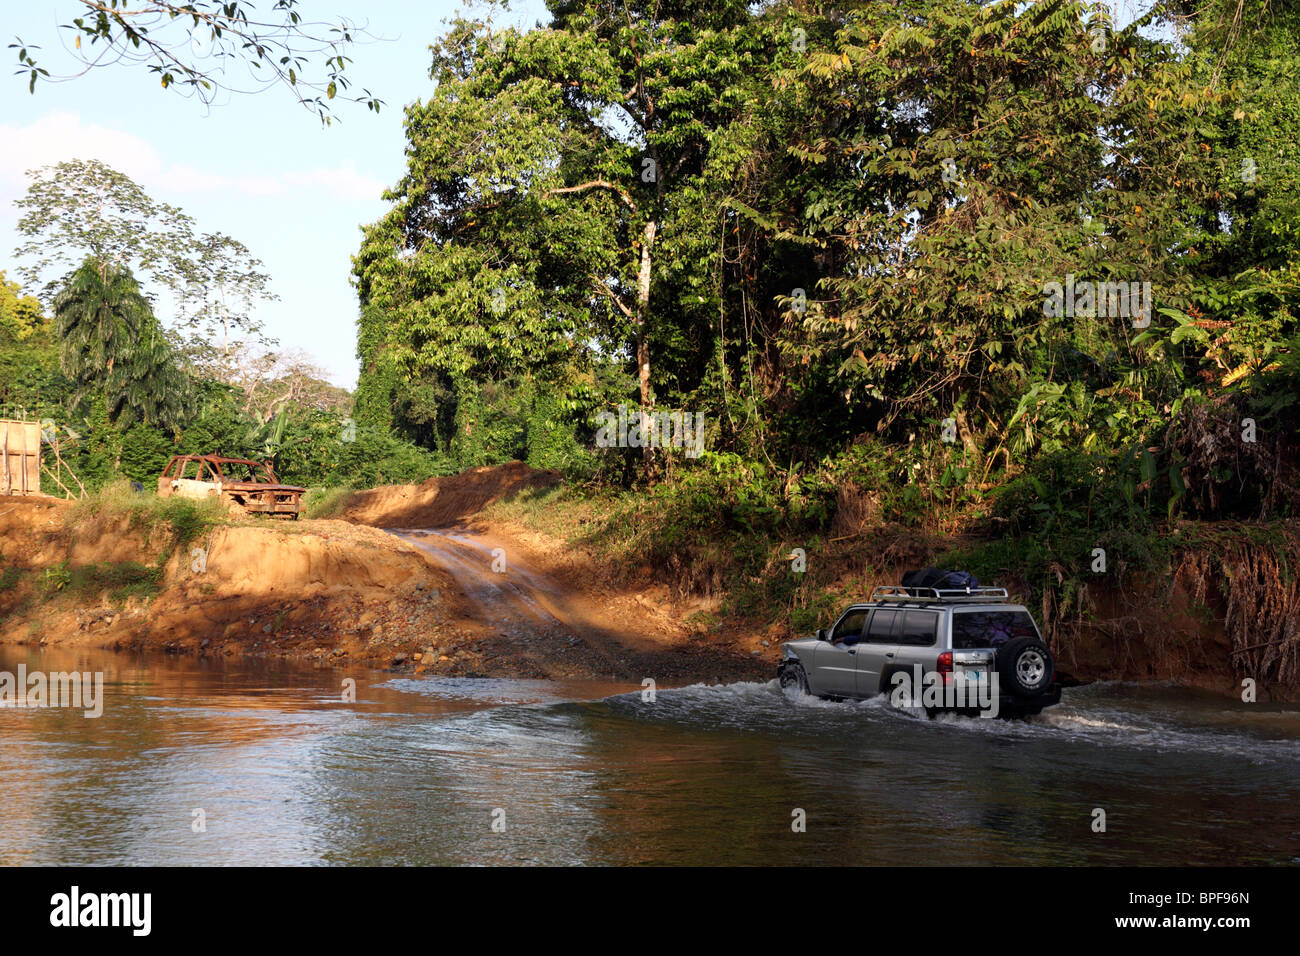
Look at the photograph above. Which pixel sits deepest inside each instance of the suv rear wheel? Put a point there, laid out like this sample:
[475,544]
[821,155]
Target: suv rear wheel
[1025,667]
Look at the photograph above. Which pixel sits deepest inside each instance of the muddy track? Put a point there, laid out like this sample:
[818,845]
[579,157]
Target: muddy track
[530,621]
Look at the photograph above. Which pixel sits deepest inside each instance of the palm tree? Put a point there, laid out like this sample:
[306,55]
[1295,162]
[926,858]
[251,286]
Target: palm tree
[112,343]
[147,385]
[99,314]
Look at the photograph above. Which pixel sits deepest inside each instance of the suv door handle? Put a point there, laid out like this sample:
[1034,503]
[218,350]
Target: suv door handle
[853,650]
[889,653]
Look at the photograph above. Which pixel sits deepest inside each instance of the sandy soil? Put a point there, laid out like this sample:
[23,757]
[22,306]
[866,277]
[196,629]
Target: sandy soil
[443,502]
[317,589]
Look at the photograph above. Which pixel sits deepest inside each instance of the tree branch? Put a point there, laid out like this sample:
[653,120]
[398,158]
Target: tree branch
[597,184]
[603,287]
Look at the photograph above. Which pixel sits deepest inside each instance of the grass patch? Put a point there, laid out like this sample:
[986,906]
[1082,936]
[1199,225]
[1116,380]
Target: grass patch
[559,511]
[120,580]
[181,520]
[745,559]
[9,577]
[127,579]
[326,502]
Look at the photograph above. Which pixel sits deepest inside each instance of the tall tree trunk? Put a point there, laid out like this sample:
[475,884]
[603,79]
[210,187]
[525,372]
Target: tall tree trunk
[642,329]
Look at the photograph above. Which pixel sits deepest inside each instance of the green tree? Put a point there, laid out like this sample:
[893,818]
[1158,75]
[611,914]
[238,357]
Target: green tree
[21,316]
[191,45]
[1246,282]
[852,219]
[554,177]
[85,209]
[29,361]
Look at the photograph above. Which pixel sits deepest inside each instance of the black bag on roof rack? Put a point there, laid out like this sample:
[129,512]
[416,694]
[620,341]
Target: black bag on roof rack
[939,578]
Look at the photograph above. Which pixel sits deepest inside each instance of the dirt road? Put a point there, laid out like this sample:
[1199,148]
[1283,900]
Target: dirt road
[544,611]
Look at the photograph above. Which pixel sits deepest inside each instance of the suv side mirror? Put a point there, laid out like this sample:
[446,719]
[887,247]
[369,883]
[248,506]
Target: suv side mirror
[821,634]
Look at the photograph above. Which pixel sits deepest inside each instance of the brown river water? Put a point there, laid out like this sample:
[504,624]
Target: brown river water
[477,771]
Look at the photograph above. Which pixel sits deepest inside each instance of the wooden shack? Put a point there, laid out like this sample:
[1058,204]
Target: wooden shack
[20,457]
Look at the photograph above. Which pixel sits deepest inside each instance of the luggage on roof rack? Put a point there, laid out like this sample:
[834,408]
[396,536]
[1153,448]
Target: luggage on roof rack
[939,578]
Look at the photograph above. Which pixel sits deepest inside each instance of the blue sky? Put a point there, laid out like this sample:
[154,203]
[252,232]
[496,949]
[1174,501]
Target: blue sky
[260,168]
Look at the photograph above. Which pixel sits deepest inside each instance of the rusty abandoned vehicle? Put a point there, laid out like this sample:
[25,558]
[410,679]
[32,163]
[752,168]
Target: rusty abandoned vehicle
[243,485]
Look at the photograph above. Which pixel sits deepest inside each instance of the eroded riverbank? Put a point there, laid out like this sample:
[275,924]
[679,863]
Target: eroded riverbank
[337,592]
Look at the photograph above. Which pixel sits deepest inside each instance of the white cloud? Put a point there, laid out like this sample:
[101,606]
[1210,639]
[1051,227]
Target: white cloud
[187,179]
[345,183]
[62,136]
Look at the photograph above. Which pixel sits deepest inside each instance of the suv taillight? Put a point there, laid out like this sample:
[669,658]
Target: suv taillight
[944,666]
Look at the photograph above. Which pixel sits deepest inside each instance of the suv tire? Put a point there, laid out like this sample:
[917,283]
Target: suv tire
[792,675]
[1025,667]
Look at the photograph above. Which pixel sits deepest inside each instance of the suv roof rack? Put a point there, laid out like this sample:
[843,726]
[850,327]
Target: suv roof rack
[896,592]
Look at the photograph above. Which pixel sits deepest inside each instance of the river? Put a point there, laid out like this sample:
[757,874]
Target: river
[435,770]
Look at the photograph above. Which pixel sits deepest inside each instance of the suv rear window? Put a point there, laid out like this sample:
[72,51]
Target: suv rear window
[976,629]
[919,628]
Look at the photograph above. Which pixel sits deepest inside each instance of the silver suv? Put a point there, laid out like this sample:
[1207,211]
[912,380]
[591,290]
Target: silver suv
[945,649]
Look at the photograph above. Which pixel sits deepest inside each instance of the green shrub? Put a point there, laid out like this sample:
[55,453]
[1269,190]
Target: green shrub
[56,577]
[180,519]
[551,441]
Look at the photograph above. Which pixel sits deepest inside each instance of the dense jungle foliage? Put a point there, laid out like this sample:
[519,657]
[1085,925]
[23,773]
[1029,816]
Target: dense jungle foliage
[832,230]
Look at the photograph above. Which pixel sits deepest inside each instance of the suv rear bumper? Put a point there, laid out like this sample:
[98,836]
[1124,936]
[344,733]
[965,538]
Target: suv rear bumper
[1010,705]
